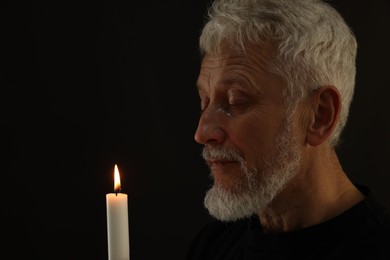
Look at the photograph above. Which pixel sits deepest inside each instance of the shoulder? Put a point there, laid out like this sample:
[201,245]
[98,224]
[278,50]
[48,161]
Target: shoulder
[371,233]
[214,237]
[377,214]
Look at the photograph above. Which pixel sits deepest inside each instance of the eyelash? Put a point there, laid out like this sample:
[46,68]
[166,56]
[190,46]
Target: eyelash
[228,105]
[231,108]
[225,107]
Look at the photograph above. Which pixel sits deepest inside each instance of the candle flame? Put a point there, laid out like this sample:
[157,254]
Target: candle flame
[117,180]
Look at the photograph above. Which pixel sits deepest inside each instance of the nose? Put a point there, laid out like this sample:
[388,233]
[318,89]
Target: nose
[210,128]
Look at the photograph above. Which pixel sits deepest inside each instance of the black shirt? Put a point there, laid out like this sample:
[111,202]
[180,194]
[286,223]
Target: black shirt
[361,232]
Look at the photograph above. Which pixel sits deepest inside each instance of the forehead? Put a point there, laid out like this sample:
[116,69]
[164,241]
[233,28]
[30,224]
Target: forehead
[249,67]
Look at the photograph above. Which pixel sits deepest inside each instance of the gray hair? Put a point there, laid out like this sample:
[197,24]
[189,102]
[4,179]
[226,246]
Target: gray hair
[315,46]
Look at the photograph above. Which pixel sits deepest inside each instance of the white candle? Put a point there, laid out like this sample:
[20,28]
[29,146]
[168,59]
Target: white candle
[117,222]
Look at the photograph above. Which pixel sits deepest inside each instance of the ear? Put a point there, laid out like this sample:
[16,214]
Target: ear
[325,114]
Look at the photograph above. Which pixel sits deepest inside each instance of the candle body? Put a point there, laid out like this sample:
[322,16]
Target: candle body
[117,227]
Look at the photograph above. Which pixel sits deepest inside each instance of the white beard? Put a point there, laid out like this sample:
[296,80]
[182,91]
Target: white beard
[254,192]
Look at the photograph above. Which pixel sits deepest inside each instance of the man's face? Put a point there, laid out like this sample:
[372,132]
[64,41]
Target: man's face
[244,131]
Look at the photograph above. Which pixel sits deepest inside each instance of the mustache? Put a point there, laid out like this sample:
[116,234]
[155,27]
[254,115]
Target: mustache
[221,154]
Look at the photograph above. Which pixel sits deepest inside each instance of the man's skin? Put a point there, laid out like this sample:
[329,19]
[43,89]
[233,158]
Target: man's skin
[242,109]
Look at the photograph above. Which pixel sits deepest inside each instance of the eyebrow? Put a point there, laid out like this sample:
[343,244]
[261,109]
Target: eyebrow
[199,87]
[240,81]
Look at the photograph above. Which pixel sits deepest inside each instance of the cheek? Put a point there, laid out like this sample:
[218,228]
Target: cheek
[254,136]
[264,125]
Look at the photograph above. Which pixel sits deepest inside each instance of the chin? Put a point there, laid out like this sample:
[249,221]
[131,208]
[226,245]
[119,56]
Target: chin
[231,182]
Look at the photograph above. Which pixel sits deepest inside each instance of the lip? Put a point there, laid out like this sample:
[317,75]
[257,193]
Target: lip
[219,163]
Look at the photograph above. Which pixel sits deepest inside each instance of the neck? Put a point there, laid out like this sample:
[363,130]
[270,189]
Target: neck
[319,192]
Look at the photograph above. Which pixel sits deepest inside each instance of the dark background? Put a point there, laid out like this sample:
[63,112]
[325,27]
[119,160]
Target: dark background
[85,85]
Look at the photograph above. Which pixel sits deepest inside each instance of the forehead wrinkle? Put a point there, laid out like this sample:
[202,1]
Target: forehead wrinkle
[254,60]
[200,80]
[250,65]
[209,65]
